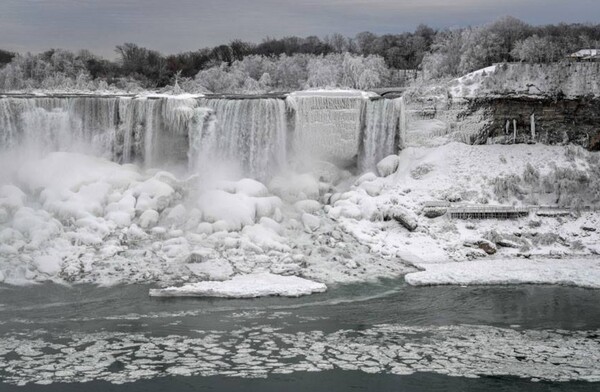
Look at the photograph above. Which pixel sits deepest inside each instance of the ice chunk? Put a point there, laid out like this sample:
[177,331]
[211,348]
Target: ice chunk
[245,286]
[149,219]
[236,210]
[310,222]
[212,269]
[309,206]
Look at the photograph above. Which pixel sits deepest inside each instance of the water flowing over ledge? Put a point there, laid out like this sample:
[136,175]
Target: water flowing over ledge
[258,134]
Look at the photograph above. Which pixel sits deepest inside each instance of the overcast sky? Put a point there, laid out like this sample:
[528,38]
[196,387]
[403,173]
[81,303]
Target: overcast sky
[172,26]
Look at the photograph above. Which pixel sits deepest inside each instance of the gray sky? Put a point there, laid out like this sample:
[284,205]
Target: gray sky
[172,26]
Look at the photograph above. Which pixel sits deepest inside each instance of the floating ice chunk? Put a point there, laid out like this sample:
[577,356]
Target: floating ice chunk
[388,165]
[245,286]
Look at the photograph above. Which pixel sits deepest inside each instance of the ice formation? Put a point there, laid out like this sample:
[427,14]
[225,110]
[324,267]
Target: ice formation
[327,125]
[245,286]
[382,130]
[250,132]
[259,351]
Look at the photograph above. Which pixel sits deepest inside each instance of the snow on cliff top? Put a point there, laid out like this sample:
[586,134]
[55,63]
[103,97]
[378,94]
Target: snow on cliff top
[469,84]
[333,93]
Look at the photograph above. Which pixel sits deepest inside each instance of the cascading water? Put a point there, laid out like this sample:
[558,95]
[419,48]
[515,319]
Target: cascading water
[203,132]
[59,123]
[249,132]
[382,130]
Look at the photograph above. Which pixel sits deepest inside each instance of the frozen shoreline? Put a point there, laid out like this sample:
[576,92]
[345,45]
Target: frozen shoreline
[584,273]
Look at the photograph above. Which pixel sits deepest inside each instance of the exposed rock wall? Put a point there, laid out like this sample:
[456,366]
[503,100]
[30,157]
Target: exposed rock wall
[542,120]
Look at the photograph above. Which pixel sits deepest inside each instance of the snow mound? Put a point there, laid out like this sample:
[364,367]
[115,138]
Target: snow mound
[245,286]
[572,272]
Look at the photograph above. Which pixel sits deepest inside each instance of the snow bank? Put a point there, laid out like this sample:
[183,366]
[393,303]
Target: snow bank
[571,272]
[246,286]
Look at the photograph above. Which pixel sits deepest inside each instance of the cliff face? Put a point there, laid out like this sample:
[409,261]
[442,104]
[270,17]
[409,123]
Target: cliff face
[542,120]
[506,120]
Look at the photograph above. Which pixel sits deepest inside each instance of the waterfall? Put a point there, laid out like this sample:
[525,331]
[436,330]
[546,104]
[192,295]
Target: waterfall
[62,124]
[249,132]
[382,130]
[154,130]
[205,132]
[327,125]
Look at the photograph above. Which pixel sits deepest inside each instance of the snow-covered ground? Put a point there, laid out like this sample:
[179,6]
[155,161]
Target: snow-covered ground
[70,217]
[569,272]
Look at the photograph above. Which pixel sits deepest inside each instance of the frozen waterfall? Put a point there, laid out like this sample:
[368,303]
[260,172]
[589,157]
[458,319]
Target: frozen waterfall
[258,135]
[52,124]
[249,132]
[382,130]
[327,125]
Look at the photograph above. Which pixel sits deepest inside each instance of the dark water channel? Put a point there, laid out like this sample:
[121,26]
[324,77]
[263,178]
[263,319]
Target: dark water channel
[378,336]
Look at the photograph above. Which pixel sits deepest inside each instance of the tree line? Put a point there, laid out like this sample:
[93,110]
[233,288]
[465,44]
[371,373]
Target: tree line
[366,60]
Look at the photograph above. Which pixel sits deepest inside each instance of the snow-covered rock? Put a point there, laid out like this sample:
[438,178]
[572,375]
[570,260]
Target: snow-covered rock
[309,206]
[311,222]
[388,165]
[149,219]
[215,270]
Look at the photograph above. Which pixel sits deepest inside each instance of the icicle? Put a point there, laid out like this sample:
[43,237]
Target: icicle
[514,131]
[533,126]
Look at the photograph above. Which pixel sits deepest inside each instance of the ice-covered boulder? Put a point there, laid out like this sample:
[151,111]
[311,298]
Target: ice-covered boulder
[236,210]
[403,216]
[265,238]
[216,270]
[388,165]
[295,187]
[310,222]
[149,219]
[309,206]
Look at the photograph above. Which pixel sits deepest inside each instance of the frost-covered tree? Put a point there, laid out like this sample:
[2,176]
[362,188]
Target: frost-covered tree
[481,48]
[536,49]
